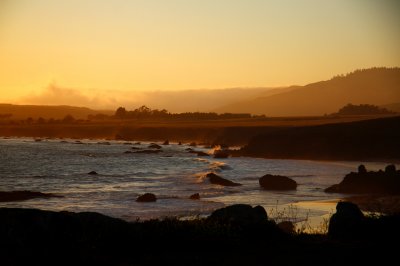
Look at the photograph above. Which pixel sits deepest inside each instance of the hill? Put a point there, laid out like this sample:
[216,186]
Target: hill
[377,86]
[47,111]
[376,139]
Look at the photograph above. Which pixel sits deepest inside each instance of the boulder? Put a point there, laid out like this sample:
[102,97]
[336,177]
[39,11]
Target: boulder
[147,197]
[347,222]
[195,196]
[215,179]
[92,173]
[287,227]
[166,142]
[240,214]
[200,153]
[6,196]
[277,182]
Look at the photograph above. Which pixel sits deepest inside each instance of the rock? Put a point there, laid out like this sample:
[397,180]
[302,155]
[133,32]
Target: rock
[147,197]
[195,196]
[347,221]
[215,179]
[188,149]
[363,182]
[362,169]
[92,173]
[193,144]
[199,153]
[390,169]
[287,227]
[240,214]
[6,196]
[154,146]
[166,142]
[104,143]
[179,143]
[137,143]
[221,154]
[38,140]
[148,151]
[277,182]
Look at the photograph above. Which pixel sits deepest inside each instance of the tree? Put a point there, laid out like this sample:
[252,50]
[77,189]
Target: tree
[120,113]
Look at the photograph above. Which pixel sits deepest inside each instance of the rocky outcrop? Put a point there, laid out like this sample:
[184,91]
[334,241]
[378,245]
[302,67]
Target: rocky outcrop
[147,197]
[277,182]
[240,214]
[6,196]
[215,179]
[362,182]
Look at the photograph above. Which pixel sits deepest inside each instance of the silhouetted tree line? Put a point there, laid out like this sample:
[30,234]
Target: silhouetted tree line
[362,109]
[366,71]
[145,112]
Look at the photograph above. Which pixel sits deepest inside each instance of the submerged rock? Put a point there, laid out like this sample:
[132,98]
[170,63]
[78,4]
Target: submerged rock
[92,173]
[147,197]
[195,196]
[148,151]
[215,179]
[240,214]
[277,182]
[6,196]
[221,154]
[154,146]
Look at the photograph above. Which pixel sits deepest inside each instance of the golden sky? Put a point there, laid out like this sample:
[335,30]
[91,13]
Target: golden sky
[143,45]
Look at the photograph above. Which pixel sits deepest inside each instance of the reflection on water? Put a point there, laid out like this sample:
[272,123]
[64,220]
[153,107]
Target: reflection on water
[61,167]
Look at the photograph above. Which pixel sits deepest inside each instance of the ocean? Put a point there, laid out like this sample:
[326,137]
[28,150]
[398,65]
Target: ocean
[62,167]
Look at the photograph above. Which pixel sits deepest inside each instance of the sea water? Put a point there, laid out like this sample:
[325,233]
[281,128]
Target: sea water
[62,166]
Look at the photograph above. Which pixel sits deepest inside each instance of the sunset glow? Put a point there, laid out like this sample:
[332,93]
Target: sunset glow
[122,45]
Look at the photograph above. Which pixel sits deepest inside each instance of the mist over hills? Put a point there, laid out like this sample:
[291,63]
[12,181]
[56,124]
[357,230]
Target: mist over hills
[46,112]
[377,86]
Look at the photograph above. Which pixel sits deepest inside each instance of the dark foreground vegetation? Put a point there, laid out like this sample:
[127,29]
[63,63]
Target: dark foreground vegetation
[236,235]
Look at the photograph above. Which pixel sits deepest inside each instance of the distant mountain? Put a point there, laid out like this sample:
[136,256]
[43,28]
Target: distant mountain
[377,86]
[46,112]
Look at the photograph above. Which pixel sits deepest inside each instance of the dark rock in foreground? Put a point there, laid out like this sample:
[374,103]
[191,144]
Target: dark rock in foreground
[215,179]
[380,182]
[347,221]
[92,173]
[6,196]
[147,197]
[240,214]
[277,182]
[195,196]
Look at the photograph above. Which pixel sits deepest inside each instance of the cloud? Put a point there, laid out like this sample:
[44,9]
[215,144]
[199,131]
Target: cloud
[56,95]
